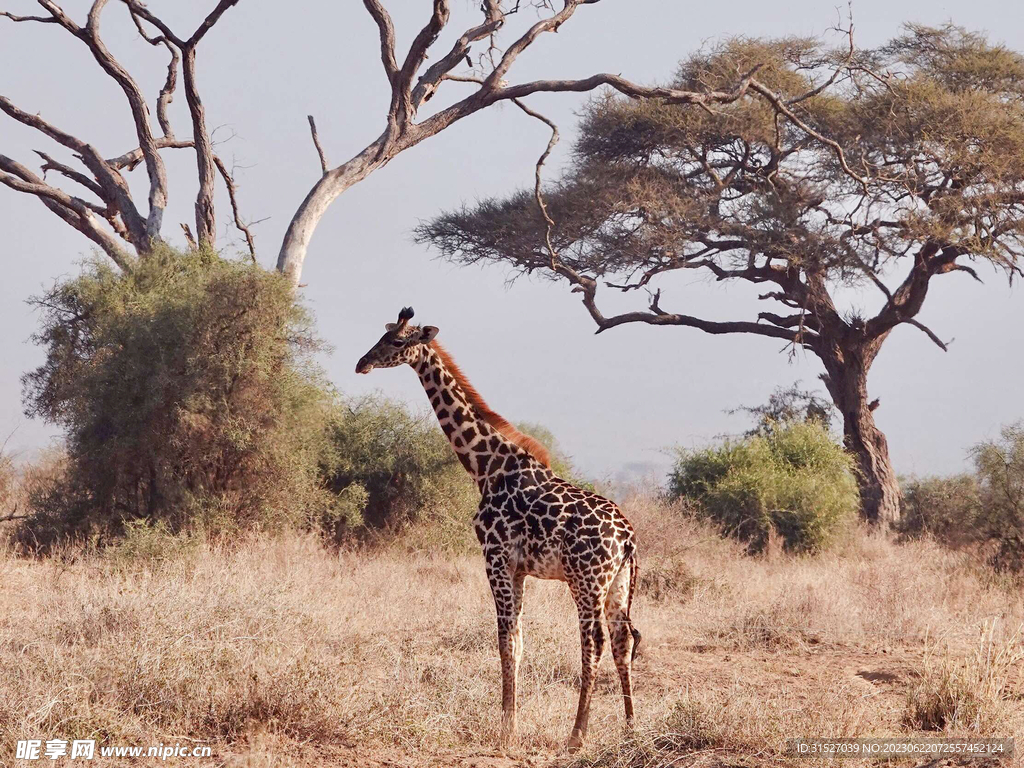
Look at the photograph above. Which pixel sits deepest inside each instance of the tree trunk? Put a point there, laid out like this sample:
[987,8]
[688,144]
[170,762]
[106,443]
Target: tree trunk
[847,383]
[324,192]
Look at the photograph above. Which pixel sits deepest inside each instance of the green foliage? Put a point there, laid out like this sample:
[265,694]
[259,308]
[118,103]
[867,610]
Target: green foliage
[145,545]
[187,394]
[986,507]
[786,405]
[795,481]
[189,400]
[1000,468]
[388,467]
[936,115]
[393,470]
[947,509]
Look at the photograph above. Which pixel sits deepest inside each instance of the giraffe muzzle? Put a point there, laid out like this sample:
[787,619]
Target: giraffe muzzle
[364,365]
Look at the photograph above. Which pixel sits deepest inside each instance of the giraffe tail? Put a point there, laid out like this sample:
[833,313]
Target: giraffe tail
[634,577]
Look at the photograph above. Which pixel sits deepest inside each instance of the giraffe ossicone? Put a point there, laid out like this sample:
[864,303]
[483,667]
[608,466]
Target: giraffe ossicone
[530,523]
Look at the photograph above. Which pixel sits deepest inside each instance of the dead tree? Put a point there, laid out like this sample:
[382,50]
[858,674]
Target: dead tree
[100,205]
[886,169]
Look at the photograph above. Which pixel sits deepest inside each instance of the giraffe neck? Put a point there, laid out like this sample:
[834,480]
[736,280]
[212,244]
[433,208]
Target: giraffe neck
[481,448]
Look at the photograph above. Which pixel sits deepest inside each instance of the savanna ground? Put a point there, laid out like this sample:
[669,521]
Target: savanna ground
[278,651]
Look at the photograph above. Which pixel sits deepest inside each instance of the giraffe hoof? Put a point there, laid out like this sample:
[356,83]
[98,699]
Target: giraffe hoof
[575,743]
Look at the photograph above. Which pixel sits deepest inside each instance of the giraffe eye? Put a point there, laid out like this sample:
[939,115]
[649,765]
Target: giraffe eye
[397,343]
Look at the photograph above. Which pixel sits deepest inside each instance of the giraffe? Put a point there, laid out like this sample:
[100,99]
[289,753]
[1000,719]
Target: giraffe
[529,523]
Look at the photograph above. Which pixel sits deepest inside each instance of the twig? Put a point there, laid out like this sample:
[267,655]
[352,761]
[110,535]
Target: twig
[229,182]
[316,143]
[537,192]
[944,346]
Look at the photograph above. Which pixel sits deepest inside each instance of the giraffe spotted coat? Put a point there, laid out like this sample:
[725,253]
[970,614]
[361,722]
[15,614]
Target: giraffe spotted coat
[529,523]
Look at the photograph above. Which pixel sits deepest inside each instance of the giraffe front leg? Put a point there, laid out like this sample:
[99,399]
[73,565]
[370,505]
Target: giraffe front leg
[508,603]
[591,647]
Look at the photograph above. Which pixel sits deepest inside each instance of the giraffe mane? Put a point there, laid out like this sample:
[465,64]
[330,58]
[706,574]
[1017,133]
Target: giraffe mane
[533,446]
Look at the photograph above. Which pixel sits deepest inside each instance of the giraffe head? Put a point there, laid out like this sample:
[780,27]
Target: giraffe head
[400,343]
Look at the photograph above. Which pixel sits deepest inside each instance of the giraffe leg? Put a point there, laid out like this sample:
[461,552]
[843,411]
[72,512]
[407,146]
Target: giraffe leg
[591,647]
[508,602]
[622,634]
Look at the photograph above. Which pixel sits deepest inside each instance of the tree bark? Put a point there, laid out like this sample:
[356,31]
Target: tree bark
[847,380]
[323,193]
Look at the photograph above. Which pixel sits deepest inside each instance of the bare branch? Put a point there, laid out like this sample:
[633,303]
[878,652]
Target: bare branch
[439,71]
[130,159]
[74,211]
[115,188]
[210,20]
[189,237]
[538,196]
[931,335]
[40,19]
[35,121]
[548,24]
[206,220]
[90,35]
[426,37]
[316,143]
[386,29]
[657,316]
[229,182]
[620,84]
[49,164]
[170,83]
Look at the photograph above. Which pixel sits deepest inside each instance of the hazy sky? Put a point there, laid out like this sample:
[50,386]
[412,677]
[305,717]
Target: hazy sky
[612,399]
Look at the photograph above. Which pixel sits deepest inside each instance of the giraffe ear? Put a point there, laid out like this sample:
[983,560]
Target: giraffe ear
[427,333]
[390,326]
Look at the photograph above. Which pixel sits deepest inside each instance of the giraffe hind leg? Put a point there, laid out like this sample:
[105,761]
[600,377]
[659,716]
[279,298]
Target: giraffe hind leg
[592,640]
[624,637]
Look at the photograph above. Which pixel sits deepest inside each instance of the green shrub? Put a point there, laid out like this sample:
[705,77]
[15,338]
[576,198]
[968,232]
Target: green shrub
[985,508]
[796,481]
[187,394]
[947,509]
[1000,469]
[787,405]
[393,471]
[390,466]
[190,400]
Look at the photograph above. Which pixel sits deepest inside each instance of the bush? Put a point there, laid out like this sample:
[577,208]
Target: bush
[947,509]
[393,470]
[189,400]
[796,481]
[389,467]
[986,508]
[1000,469]
[8,485]
[187,394]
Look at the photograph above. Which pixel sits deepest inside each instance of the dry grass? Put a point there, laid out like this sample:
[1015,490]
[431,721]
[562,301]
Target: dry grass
[279,652]
[968,694]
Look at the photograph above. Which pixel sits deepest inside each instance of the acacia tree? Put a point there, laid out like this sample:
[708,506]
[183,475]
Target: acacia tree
[826,173]
[101,205]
